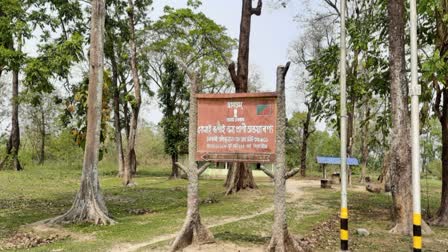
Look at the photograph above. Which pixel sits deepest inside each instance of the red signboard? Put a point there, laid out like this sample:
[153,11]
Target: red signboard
[236,127]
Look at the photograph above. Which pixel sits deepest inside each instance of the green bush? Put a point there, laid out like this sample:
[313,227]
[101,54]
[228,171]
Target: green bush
[59,147]
[149,148]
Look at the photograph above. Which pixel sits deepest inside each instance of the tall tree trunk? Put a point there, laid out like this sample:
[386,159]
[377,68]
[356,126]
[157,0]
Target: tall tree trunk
[305,136]
[241,76]
[365,142]
[281,239]
[240,175]
[350,137]
[126,114]
[441,217]
[174,168]
[350,129]
[13,144]
[116,104]
[89,205]
[130,160]
[42,137]
[193,231]
[353,99]
[351,113]
[400,161]
[2,14]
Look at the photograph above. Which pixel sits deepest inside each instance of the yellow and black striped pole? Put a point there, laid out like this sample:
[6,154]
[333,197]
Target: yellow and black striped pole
[344,229]
[417,232]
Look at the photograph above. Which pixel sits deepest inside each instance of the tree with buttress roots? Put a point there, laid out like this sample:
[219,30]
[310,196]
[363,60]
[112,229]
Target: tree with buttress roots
[89,205]
[400,159]
[240,175]
[193,231]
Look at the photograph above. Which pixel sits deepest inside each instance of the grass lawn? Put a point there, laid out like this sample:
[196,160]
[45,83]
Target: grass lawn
[157,207]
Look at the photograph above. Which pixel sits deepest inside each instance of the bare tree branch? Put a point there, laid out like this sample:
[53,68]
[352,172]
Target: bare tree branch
[182,167]
[191,75]
[203,168]
[257,11]
[291,173]
[285,69]
[333,5]
[267,172]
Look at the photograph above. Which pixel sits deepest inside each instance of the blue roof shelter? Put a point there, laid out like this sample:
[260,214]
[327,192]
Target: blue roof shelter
[336,161]
[323,161]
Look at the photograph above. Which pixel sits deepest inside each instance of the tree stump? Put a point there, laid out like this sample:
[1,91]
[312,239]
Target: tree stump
[325,183]
[335,179]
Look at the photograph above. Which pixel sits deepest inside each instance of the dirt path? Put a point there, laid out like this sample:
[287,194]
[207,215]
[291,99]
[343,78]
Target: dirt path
[294,189]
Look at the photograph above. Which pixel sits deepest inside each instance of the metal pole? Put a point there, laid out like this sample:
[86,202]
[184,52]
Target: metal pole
[342,79]
[415,132]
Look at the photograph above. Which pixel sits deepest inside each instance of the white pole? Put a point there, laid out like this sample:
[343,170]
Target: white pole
[415,132]
[342,79]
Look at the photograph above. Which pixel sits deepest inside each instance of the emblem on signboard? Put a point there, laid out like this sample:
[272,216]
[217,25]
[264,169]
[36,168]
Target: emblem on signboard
[264,109]
[235,111]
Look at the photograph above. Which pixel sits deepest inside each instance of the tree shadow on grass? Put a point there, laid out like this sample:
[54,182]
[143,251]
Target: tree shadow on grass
[143,172]
[16,212]
[238,237]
